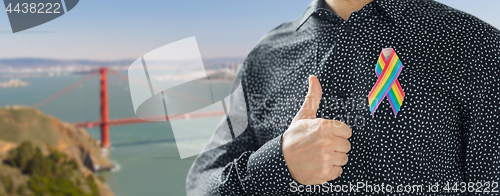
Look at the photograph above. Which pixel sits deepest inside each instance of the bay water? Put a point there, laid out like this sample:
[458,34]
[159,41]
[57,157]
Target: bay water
[146,155]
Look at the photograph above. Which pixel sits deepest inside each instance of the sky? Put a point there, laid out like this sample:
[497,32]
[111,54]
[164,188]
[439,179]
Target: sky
[125,29]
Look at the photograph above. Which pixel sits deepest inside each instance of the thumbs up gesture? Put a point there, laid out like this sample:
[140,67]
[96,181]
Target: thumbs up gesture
[315,148]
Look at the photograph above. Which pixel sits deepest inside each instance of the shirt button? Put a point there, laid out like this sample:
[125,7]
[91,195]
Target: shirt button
[348,29]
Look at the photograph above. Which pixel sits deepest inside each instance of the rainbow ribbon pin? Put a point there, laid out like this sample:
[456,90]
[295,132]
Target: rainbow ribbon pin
[387,69]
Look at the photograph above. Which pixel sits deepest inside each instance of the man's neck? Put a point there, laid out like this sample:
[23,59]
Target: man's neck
[344,8]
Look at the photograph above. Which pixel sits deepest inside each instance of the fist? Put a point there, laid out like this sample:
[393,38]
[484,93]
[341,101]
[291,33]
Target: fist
[315,149]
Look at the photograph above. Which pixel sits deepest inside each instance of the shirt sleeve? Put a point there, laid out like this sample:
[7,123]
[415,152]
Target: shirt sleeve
[240,166]
[481,95]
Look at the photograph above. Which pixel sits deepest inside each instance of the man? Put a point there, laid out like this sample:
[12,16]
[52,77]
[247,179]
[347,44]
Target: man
[437,132]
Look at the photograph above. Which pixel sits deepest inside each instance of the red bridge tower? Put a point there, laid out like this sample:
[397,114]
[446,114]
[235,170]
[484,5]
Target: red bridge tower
[104,110]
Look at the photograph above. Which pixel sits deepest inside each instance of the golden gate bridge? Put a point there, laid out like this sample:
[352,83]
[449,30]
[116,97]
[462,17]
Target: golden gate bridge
[105,122]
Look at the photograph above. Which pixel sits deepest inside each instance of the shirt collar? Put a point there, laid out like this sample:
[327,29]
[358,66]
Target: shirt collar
[393,8]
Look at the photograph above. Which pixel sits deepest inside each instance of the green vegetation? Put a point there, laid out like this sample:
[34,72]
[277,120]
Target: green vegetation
[52,175]
[11,189]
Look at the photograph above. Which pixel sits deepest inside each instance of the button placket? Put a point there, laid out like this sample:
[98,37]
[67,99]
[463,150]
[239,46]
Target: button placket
[351,21]
[348,28]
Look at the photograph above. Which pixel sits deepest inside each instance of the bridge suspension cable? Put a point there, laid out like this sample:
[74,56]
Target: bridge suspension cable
[66,89]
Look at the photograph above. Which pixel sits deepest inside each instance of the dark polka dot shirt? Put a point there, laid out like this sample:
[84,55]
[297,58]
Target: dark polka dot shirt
[446,134]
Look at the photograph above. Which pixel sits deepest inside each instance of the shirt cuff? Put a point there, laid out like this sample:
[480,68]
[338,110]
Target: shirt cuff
[268,169]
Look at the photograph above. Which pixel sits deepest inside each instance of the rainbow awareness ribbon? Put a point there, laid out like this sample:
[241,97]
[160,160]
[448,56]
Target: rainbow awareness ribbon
[387,69]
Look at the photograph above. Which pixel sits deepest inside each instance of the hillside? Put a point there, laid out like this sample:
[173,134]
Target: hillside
[24,131]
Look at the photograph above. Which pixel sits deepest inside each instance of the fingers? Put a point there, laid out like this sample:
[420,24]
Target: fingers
[335,128]
[329,137]
[340,145]
[336,171]
[334,144]
[336,159]
[340,159]
[328,173]
[314,148]
[312,100]
[326,127]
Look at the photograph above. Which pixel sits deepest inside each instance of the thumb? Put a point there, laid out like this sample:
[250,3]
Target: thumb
[310,106]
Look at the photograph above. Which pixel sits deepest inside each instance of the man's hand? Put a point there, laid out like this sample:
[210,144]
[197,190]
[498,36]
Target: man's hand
[315,148]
